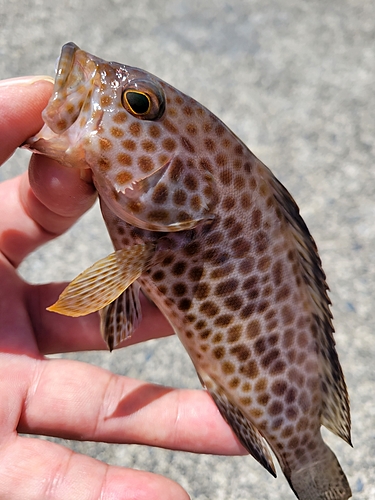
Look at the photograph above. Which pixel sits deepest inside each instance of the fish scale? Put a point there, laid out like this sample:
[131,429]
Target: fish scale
[209,234]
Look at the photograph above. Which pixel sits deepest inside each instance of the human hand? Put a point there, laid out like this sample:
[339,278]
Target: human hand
[64,398]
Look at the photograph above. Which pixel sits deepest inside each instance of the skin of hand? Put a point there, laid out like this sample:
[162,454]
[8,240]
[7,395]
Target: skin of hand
[65,398]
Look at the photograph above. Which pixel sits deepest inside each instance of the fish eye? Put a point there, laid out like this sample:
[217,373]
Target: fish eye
[138,102]
[144,100]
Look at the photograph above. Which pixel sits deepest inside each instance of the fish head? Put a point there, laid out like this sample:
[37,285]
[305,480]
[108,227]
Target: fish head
[137,134]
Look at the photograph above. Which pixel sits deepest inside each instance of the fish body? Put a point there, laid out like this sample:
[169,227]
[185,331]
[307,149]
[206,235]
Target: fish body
[209,234]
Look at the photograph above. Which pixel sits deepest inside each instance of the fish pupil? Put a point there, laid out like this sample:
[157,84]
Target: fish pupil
[138,102]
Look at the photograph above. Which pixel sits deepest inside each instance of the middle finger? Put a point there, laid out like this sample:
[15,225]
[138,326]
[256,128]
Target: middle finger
[75,400]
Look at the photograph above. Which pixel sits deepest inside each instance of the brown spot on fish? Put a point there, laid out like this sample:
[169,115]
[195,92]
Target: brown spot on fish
[218,352]
[219,130]
[187,110]
[170,127]
[135,129]
[205,164]
[247,311]
[221,272]
[158,215]
[228,202]
[245,201]
[169,144]
[228,367]
[146,163]
[234,333]
[190,182]
[120,117]
[187,145]
[129,144]
[148,146]
[246,401]
[158,275]
[217,339]
[176,170]
[105,144]
[275,408]
[250,369]
[241,351]
[192,248]
[200,324]
[226,175]
[160,194]
[234,302]
[179,197]
[104,164]
[191,129]
[179,289]
[256,219]
[222,161]
[205,334]
[179,268]
[210,144]
[209,308]
[234,382]
[124,159]
[287,314]
[223,320]
[105,101]
[263,399]
[184,304]
[195,273]
[154,131]
[116,132]
[202,291]
[124,177]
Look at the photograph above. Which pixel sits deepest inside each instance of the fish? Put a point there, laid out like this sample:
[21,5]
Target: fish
[205,230]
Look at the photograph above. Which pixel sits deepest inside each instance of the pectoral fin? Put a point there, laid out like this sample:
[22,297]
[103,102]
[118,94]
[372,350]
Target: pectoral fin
[121,317]
[103,282]
[246,432]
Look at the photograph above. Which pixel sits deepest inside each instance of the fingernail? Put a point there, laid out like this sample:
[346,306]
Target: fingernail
[25,80]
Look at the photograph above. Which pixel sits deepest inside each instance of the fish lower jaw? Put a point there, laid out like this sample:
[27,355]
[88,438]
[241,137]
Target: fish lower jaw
[59,150]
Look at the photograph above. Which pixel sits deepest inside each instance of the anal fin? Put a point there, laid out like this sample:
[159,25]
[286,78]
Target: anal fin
[246,432]
[121,317]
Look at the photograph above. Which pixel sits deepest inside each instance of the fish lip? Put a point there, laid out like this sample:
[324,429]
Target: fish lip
[65,64]
[76,71]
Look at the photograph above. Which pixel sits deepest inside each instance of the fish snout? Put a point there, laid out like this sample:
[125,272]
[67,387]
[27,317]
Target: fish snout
[76,74]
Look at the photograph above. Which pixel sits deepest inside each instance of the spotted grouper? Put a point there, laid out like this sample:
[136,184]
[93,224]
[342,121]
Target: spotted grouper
[206,231]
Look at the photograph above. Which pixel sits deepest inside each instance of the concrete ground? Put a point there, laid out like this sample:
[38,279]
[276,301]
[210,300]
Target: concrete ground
[295,80]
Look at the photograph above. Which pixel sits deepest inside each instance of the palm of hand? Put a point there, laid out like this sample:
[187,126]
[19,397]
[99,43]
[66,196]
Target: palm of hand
[66,398]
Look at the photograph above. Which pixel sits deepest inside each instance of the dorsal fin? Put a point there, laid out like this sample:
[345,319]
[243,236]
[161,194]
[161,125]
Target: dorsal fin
[335,410]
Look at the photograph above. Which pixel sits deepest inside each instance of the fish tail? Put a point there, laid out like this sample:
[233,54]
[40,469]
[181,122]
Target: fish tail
[322,480]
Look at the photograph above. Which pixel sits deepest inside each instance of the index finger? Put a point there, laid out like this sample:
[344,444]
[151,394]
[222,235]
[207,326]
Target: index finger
[21,102]
[47,203]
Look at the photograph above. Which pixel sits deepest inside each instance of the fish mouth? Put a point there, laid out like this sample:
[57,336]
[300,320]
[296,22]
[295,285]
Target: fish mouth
[76,74]
[61,138]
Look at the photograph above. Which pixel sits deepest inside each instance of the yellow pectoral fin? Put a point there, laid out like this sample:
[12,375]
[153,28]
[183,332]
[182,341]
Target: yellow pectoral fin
[103,282]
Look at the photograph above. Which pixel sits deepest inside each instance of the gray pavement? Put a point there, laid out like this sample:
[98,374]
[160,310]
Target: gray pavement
[295,80]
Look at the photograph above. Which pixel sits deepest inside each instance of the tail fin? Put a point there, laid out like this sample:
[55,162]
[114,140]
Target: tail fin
[323,480]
